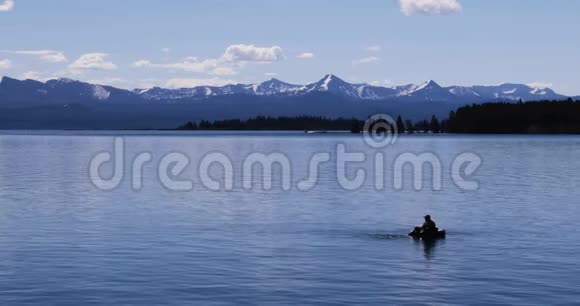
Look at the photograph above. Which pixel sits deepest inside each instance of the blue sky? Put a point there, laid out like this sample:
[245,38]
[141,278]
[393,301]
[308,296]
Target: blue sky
[141,43]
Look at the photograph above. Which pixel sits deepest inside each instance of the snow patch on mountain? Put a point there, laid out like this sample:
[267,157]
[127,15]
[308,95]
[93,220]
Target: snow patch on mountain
[462,91]
[406,90]
[100,93]
[538,91]
[423,86]
[326,82]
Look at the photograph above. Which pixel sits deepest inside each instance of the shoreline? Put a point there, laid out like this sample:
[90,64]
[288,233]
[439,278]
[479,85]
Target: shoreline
[177,132]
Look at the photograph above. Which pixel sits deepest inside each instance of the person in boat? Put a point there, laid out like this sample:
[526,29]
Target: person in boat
[427,231]
[429,226]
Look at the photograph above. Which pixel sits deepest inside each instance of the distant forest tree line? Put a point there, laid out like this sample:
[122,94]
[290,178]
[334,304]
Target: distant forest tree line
[308,123]
[543,117]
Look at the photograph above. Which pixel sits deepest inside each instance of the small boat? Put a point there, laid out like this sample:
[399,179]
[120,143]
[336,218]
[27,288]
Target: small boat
[418,234]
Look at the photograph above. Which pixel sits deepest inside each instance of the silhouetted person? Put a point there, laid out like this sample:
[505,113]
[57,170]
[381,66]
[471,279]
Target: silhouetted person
[429,226]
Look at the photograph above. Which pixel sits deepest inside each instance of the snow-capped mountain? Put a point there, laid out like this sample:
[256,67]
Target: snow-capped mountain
[72,89]
[427,91]
[69,104]
[368,92]
[516,92]
[334,85]
[62,91]
[275,87]
[331,84]
[29,92]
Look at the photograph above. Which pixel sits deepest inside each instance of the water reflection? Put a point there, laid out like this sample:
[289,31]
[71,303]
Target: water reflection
[429,247]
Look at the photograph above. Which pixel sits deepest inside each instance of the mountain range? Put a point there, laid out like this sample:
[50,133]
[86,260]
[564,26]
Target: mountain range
[330,96]
[59,90]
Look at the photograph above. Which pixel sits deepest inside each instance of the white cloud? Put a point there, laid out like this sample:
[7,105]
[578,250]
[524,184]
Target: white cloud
[5,64]
[190,64]
[127,83]
[224,71]
[270,74]
[92,61]
[110,81]
[33,75]
[306,55]
[147,83]
[165,50]
[143,63]
[540,85]
[374,48]
[251,53]
[7,5]
[365,60]
[50,56]
[430,7]
[43,77]
[233,59]
[188,83]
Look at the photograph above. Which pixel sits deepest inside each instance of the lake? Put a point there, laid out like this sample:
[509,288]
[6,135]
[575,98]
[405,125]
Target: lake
[513,240]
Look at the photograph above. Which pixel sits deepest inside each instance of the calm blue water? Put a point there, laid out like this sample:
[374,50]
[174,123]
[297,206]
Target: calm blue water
[514,241]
